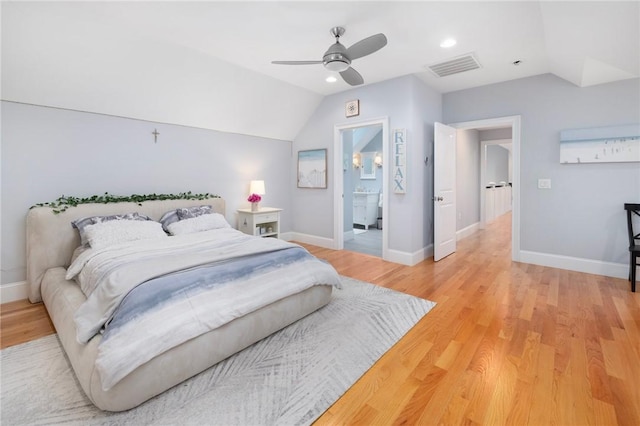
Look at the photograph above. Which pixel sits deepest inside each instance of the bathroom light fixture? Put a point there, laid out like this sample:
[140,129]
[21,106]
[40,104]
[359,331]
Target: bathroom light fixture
[356,160]
[378,159]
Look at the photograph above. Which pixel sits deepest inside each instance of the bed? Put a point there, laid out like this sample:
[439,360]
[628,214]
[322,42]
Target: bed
[51,242]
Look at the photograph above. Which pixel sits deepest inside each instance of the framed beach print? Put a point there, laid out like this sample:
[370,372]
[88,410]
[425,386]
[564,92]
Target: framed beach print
[312,169]
[614,144]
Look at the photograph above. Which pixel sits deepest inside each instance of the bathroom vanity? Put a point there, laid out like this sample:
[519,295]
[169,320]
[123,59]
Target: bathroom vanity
[365,208]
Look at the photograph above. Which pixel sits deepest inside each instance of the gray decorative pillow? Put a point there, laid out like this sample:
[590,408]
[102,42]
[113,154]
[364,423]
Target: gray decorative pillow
[173,216]
[191,212]
[82,223]
[168,218]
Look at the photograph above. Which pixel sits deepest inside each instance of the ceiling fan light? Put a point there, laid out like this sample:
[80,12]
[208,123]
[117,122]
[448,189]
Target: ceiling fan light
[338,65]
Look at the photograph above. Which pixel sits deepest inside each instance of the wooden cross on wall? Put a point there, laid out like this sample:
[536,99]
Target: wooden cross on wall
[155,134]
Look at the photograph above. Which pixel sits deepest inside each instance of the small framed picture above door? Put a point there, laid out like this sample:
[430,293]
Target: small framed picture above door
[352,108]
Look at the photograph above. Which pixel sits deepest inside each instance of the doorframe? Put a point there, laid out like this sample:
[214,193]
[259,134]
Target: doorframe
[338,181]
[483,175]
[515,122]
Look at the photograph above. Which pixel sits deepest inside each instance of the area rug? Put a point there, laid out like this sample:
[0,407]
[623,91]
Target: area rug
[289,378]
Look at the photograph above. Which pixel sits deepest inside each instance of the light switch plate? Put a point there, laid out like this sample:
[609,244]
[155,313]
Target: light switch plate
[544,183]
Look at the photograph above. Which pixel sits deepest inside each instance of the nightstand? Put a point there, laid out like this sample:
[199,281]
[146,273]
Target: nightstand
[263,223]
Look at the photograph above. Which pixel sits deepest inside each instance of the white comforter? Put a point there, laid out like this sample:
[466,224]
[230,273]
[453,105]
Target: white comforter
[107,275]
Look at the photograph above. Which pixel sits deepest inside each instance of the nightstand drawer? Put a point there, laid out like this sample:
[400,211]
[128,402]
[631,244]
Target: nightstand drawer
[268,217]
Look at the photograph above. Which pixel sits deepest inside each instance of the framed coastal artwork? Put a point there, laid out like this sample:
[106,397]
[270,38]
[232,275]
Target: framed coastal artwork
[312,169]
[616,144]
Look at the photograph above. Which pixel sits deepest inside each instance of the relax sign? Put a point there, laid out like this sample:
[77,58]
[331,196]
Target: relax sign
[399,138]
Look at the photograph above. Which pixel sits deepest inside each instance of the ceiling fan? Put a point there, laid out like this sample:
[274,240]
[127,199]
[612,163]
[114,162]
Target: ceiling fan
[338,58]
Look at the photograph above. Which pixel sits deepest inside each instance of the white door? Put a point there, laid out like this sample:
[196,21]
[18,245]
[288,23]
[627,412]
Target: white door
[444,191]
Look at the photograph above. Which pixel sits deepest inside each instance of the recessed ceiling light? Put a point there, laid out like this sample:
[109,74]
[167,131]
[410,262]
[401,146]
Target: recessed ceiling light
[331,79]
[450,42]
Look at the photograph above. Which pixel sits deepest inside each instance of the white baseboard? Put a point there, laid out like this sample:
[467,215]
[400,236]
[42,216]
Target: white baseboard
[589,266]
[287,236]
[409,259]
[465,232]
[313,240]
[14,291]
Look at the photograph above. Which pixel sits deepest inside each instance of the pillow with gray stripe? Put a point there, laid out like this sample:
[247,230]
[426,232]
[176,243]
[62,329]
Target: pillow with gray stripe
[173,216]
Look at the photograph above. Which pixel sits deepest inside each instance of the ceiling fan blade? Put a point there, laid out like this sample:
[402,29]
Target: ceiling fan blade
[296,62]
[352,77]
[367,46]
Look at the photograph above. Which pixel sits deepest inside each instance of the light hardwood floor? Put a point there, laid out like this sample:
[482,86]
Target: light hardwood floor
[507,343]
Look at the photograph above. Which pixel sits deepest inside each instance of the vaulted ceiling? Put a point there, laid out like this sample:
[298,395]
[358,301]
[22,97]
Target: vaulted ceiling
[586,43]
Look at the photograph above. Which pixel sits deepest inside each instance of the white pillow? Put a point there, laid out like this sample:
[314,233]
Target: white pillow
[105,234]
[204,222]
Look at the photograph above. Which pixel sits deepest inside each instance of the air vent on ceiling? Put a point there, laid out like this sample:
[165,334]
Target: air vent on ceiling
[455,66]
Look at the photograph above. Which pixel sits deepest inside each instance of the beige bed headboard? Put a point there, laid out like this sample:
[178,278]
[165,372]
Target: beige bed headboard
[51,239]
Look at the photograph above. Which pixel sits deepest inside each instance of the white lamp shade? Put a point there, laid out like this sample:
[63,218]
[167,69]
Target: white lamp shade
[257,187]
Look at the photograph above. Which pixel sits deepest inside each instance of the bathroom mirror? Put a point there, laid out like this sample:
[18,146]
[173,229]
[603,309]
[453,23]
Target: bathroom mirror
[367,166]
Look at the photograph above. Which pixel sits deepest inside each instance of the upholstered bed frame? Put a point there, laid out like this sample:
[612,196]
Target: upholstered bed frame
[50,244]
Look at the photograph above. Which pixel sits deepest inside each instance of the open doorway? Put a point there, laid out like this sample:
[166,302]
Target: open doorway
[496,175]
[361,180]
[362,188]
[497,131]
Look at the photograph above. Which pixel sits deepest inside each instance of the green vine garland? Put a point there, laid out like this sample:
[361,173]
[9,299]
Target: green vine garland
[63,203]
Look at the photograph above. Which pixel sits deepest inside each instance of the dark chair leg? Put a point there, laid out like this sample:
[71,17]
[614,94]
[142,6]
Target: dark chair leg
[633,273]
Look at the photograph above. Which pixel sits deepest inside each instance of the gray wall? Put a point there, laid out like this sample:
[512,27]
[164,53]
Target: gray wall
[497,164]
[467,178]
[409,104]
[49,152]
[426,109]
[495,134]
[582,215]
